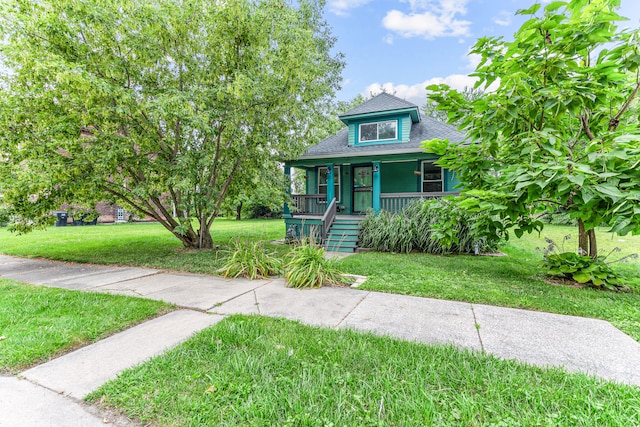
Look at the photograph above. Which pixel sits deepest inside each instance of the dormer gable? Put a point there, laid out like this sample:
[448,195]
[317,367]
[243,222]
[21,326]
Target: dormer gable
[383,119]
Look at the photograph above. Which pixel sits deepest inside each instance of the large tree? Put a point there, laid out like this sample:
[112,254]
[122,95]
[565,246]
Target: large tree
[559,130]
[159,105]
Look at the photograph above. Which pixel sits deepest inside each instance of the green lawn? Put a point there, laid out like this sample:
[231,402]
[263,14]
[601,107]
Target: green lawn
[262,372]
[138,244]
[512,281]
[38,323]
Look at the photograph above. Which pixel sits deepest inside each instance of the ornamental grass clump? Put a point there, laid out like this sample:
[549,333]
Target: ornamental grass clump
[438,226]
[307,267]
[251,260]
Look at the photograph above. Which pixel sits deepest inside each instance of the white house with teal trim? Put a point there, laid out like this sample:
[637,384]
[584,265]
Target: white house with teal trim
[374,163]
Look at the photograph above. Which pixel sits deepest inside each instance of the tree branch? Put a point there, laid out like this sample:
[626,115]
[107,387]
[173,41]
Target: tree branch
[615,120]
[584,119]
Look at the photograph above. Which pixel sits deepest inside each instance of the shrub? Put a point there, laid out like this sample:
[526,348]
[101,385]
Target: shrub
[596,273]
[437,226]
[251,260]
[307,267]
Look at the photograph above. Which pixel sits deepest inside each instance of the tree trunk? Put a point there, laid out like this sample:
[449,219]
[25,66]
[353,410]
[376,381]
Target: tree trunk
[194,240]
[239,212]
[583,239]
[593,245]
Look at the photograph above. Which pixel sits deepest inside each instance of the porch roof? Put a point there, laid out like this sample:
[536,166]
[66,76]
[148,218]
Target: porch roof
[425,129]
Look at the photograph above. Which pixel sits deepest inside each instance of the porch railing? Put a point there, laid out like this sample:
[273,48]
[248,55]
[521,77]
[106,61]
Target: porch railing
[309,204]
[395,202]
[328,218]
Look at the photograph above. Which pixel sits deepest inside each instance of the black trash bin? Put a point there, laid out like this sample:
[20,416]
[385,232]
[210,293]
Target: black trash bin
[62,219]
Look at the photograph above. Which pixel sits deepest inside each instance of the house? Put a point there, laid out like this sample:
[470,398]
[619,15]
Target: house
[374,163]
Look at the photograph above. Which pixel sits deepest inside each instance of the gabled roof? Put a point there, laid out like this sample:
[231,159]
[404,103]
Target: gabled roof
[427,128]
[383,103]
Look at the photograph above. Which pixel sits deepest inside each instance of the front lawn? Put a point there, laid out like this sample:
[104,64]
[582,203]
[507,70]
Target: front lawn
[38,323]
[262,372]
[137,244]
[512,281]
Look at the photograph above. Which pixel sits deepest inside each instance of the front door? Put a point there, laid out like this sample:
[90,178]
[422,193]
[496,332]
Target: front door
[362,188]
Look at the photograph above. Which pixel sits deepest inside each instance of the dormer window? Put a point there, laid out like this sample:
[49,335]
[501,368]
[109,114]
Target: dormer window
[378,131]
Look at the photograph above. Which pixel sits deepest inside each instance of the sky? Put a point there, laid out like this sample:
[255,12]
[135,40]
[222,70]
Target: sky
[405,45]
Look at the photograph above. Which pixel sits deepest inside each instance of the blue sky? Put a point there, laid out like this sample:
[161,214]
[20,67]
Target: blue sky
[403,45]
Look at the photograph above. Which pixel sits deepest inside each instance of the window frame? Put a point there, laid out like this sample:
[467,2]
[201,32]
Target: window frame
[338,183]
[377,131]
[424,181]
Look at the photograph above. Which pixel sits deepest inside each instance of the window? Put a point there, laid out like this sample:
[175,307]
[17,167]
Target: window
[379,131]
[432,177]
[322,181]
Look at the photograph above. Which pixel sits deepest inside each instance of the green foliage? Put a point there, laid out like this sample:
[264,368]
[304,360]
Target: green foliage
[560,129]
[438,226]
[40,323]
[308,267]
[584,269]
[258,371]
[167,107]
[250,259]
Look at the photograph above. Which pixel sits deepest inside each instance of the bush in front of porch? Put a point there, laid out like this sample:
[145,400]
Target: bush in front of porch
[436,226]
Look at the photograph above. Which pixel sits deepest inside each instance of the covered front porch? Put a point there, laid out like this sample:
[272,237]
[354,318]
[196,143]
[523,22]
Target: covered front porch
[343,191]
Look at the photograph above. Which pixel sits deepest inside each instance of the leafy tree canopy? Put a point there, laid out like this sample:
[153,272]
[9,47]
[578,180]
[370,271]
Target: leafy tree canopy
[559,130]
[161,106]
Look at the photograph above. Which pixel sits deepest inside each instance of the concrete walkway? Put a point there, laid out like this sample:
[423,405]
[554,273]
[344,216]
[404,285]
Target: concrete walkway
[55,389]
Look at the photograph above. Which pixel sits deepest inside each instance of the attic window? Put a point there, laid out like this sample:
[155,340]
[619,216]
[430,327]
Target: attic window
[378,131]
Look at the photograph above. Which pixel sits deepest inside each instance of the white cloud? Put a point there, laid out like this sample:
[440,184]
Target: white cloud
[473,60]
[429,19]
[503,19]
[342,7]
[388,39]
[417,93]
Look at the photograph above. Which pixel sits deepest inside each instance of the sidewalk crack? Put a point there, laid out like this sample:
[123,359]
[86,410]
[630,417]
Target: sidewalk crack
[219,304]
[477,326]
[337,325]
[255,297]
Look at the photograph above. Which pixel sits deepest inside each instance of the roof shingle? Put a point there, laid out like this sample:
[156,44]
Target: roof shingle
[381,102]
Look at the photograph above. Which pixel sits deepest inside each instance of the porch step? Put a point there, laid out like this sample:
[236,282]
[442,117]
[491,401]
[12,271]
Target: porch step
[343,235]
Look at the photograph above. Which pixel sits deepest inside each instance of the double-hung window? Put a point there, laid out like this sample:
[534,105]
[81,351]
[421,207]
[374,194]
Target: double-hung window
[378,131]
[322,181]
[432,177]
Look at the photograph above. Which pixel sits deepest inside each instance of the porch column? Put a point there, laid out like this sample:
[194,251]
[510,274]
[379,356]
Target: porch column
[287,172]
[376,188]
[330,184]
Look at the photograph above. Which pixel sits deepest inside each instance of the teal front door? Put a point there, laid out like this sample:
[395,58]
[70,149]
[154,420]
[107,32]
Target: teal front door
[362,188]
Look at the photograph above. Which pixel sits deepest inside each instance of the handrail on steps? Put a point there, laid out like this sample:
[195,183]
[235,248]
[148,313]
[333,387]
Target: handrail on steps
[328,218]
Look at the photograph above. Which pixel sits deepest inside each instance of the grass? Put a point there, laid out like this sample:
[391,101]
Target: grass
[138,244]
[38,323]
[261,372]
[512,281]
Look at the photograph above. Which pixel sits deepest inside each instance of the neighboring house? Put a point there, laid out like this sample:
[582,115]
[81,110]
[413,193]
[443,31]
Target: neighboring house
[374,163]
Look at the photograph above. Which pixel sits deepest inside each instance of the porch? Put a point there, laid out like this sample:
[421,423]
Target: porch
[310,205]
[336,228]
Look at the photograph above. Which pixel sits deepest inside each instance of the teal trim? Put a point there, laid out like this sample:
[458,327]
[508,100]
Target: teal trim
[287,173]
[401,136]
[303,227]
[376,188]
[330,183]
[390,157]
[375,116]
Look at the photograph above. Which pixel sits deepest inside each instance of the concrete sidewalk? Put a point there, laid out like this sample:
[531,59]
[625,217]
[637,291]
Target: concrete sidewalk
[578,344]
